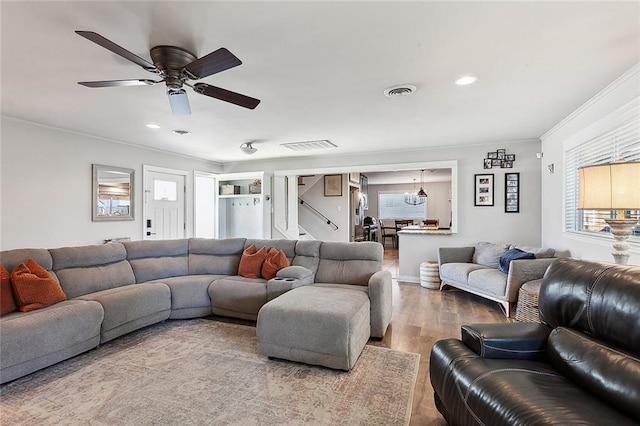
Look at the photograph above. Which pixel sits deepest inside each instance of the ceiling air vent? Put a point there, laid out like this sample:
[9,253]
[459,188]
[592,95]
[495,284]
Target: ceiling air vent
[309,145]
[400,90]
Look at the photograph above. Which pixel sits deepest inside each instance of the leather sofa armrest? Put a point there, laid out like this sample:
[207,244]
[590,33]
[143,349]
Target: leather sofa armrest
[287,279]
[510,341]
[455,255]
[522,271]
[380,297]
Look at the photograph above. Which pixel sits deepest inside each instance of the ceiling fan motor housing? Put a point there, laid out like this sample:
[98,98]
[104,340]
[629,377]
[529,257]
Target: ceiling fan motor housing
[171,60]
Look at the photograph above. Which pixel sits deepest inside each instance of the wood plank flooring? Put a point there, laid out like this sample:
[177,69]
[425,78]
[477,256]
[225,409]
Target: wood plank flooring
[420,318]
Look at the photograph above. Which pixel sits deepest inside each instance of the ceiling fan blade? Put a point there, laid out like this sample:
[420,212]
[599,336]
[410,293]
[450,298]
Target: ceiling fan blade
[226,95]
[118,50]
[179,102]
[117,83]
[213,63]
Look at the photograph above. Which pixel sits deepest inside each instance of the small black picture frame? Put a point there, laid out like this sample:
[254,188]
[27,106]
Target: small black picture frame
[510,157]
[487,163]
[483,194]
[512,192]
[501,153]
[506,164]
[492,155]
[496,162]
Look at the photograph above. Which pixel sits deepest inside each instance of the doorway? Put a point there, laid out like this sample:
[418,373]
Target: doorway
[164,203]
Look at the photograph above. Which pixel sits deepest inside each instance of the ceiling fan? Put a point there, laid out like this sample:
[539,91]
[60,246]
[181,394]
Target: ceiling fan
[176,67]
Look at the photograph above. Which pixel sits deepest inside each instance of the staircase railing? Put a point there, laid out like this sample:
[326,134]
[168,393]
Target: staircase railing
[313,209]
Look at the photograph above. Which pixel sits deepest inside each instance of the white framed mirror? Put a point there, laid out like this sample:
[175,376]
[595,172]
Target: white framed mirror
[112,193]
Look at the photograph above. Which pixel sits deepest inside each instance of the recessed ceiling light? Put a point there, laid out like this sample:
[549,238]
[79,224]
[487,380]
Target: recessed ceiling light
[466,80]
[153,126]
[399,90]
[181,132]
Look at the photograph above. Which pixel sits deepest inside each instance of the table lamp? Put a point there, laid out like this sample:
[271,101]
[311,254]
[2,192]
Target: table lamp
[614,186]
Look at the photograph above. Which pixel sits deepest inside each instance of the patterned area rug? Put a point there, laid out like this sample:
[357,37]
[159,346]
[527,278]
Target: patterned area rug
[206,372]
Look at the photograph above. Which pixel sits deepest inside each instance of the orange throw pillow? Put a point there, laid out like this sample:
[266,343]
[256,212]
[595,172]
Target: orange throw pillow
[276,260]
[34,287]
[251,261]
[7,304]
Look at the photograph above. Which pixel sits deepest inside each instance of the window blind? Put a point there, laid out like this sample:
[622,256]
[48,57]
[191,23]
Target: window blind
[621,142]
[391,205]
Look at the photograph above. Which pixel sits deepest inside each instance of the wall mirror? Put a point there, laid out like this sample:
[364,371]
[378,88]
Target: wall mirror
[112,193]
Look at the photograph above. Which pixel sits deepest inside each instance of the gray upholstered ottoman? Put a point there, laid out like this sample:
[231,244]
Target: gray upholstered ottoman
[317,325]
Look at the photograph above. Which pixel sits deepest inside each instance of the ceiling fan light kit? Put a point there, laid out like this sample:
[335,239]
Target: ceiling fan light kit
[248,148]
[176,66]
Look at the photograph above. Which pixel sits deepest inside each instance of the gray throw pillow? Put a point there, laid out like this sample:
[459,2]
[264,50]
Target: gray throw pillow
[488,254]
[539,252]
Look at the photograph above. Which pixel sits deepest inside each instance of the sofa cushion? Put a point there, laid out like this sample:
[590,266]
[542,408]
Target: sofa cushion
[471,390]
[152,260]
[275,261]
[7,302]
[347,263]
[603,370]
[458,273]
[37,339]
[218,257]
[488,254]
[131,307]
[34,287]
[87,269]
[238,295]
[307,255]
[489,280]
[539,252]
[189,295]
[513,254]
[251,261]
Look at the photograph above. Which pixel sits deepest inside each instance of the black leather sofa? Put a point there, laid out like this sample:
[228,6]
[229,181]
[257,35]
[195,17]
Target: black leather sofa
[581,366]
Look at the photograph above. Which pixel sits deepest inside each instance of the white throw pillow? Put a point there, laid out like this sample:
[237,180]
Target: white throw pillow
[488,254]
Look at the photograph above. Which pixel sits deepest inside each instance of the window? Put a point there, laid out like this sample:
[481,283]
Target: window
[617,138]
[391,205]
[165,190]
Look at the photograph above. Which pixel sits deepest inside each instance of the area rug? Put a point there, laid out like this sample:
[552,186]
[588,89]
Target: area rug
[200,372]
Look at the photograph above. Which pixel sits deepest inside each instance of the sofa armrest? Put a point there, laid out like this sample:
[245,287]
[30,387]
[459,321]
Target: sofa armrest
[511,340]
[288,278]
[522,271]
[455,255]
[380,298]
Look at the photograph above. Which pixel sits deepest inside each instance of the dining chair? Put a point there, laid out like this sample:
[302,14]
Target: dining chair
[387,232]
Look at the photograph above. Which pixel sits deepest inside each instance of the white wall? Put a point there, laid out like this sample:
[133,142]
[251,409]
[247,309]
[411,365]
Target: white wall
[619,93]
[45,198]
[475,223]
[335,208]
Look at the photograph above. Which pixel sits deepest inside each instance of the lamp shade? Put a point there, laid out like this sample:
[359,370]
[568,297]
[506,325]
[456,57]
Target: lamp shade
[614,186]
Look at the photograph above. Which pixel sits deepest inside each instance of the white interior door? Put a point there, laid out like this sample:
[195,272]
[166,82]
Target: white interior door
[164,206]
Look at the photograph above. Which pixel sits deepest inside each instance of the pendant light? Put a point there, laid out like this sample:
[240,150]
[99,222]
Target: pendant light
[413,198]
[421,194]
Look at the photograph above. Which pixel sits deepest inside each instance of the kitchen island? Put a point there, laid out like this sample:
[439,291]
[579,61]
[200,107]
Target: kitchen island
[417,244]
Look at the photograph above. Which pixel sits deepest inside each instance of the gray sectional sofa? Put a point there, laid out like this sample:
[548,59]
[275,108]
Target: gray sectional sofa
[475,270]
[116,288]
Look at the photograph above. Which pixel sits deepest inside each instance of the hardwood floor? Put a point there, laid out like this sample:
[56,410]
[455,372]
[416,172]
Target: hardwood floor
[420,318]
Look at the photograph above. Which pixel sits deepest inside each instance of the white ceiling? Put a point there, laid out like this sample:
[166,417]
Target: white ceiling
[319,69]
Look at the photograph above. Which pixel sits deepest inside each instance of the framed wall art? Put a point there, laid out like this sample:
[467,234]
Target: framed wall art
[483,190]
[333,185]
[512,192]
